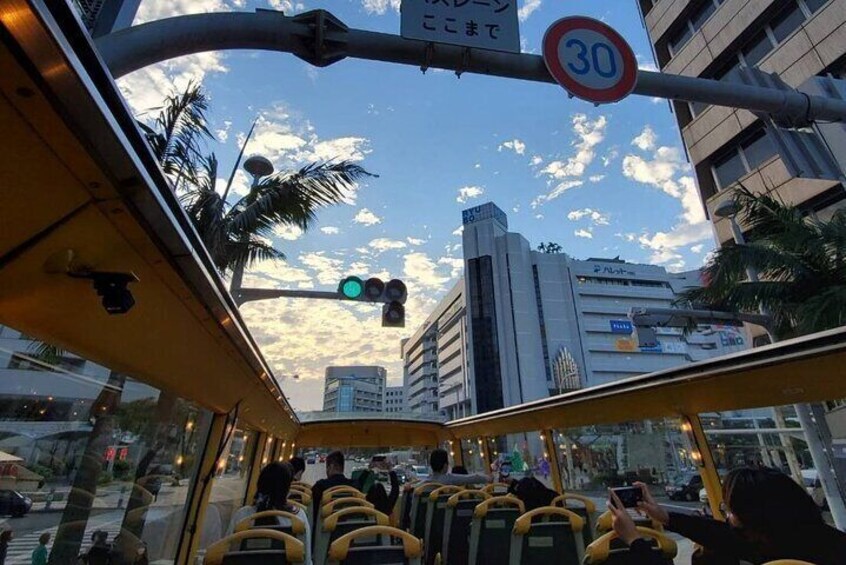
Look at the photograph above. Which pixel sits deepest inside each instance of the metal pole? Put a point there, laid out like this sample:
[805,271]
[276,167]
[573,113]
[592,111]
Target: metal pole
[321,39]
[820,457]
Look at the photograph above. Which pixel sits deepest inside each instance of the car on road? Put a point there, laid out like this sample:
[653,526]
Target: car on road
[310,460]
[14,504]
[686,487]
[419,472]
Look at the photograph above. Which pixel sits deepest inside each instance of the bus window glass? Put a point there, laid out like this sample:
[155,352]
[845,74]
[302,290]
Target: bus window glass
[516,456]
[229,485]
[85,448]
[656,452]
[471,450]
[774,437]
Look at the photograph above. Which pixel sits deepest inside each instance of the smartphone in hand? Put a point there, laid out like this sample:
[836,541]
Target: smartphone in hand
[629,496]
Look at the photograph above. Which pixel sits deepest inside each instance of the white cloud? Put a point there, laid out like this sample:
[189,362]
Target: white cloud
[661,171]
[589,134]
[458,231]
[383,244]
[287,5]
[609,157]
[536,160]
[327,270]
[222,134]
[380,7]
[646,140]
[146,89]
[595,216]
[466,193]
[288,232]
[596,178]
[340,149]
[583,233]
[528,8]
[415,240]
[455,264]
[367,218]
[514,145]
[150,10]
[559,189]
[697,248]
[330,230]
[420,270]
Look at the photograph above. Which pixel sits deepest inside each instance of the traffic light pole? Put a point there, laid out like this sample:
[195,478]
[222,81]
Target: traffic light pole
[321,39]
[243,295]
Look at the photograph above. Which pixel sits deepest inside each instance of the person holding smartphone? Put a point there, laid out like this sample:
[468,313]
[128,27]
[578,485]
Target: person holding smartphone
[768,517]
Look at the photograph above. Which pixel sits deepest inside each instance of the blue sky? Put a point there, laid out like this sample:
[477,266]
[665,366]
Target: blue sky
[600,181]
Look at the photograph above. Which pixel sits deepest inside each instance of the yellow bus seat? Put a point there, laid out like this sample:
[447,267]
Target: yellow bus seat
[342,522]
[260,552]
[584,507]
[496,489]
[269,520]
[417,516]
[459,513]
[548,535]
[490,530]
[604,550]
[404,548]
[436,505]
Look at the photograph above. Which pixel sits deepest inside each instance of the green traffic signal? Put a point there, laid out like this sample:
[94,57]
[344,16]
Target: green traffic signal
[352,288]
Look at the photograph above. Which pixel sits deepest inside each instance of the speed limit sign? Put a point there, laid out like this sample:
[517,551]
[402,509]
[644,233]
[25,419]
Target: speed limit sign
[590,59]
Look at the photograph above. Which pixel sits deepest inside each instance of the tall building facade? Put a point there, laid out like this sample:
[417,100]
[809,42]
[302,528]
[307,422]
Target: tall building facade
[394,399]
[435,360]
[544,323]
[716,39]
[354,389]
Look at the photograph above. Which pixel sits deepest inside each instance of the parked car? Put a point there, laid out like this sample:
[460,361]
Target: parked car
[322,458]
[686,487]
[13,503]
[311,459]
[419,472]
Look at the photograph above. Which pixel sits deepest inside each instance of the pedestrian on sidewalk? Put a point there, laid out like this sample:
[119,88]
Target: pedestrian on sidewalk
[39,554]
[5,538]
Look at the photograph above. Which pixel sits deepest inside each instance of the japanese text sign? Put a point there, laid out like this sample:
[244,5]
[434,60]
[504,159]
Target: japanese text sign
[485,24]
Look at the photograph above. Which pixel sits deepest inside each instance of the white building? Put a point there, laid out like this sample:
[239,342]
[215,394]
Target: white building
[354,389]
[435,360]
[394,399]
[540,324]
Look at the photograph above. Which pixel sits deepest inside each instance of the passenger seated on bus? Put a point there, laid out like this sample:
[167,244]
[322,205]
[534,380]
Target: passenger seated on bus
[532,492]
[769,517]
[272,488]
[366,481]
[298,465]
[439,461]
[460,470]
[334,478]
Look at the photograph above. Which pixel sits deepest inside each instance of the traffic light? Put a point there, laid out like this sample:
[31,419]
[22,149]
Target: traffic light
[351,288]
[392,294]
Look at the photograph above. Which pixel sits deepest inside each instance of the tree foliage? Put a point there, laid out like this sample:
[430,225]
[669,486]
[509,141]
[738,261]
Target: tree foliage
[800,261]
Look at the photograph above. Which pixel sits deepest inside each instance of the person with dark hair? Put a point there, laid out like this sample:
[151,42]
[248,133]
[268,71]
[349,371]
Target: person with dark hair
[272,487]
[439,462]
[366,481]
[100,552]
[460,470]
[768,517]
[334,477]
[298,465]
[532,492]
[5,539]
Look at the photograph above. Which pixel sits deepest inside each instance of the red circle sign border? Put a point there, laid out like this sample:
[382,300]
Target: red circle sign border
[553,36]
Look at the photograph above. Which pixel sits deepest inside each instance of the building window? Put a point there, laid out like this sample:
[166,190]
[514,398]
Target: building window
[773,33]
[691,25]
[742,158]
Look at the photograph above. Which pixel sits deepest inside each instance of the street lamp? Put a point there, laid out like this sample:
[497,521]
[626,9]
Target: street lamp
[811,418]
[258,167]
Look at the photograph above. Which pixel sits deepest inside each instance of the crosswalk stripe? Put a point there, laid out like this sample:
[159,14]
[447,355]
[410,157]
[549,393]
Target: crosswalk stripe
[20,549]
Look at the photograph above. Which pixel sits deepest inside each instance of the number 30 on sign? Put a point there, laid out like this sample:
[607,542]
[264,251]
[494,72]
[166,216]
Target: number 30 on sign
[590,60]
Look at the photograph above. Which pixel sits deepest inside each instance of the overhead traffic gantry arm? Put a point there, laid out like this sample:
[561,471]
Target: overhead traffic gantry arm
[644,319]
[321,39]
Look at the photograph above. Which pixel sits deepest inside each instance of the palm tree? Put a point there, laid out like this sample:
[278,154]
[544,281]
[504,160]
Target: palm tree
[801,263]
[235,233]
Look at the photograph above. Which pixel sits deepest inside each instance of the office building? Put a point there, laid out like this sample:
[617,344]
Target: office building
[354,389]
[394,399]
[540,324]
[795,39]
[435,360]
